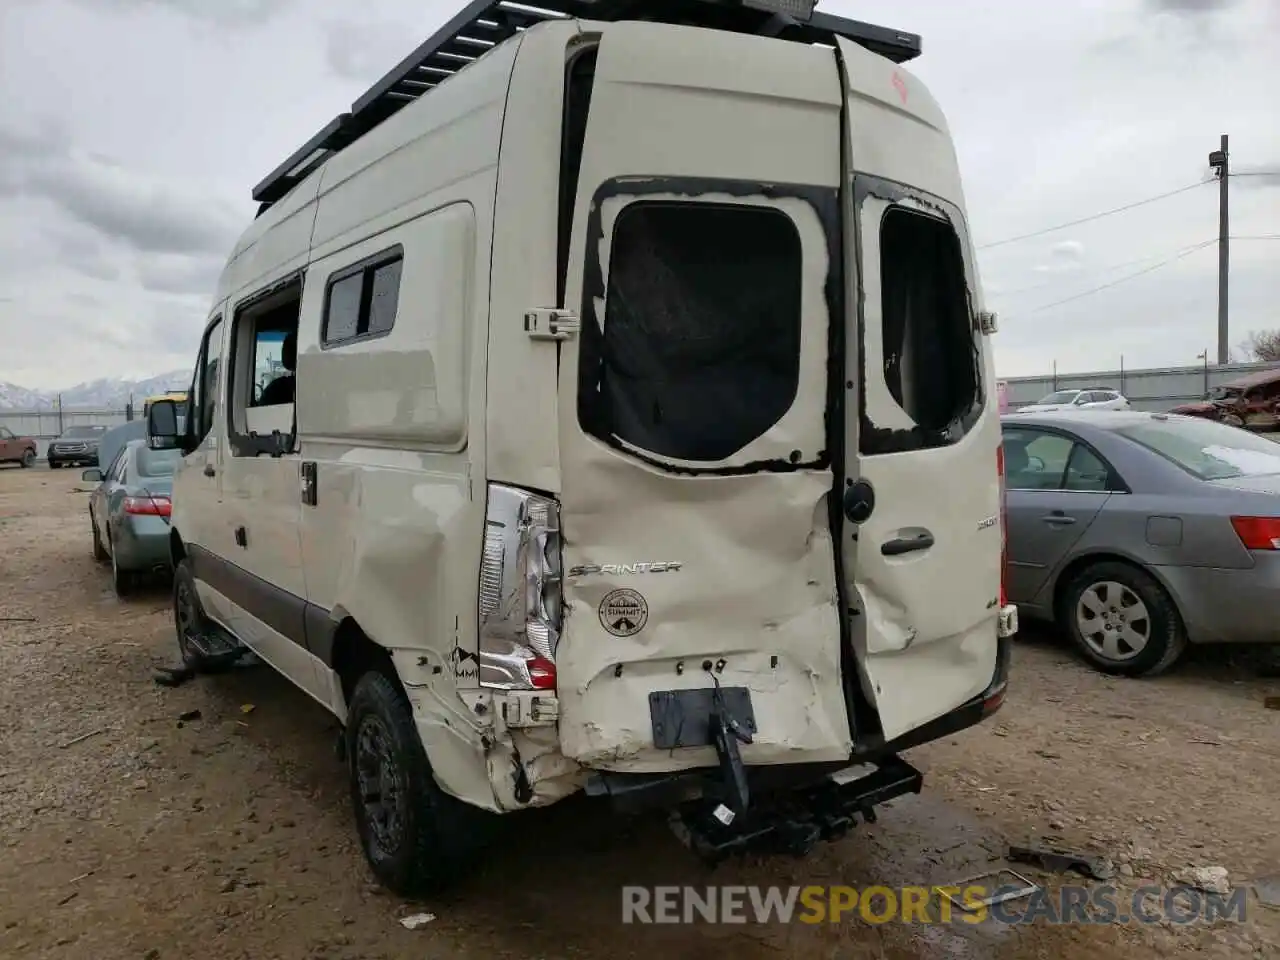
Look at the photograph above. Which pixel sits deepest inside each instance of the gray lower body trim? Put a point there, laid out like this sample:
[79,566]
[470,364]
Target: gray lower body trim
[306,624]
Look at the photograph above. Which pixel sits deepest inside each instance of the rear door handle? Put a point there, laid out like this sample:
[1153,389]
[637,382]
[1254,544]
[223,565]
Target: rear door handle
[896,548]
[1058,519]
[208,470]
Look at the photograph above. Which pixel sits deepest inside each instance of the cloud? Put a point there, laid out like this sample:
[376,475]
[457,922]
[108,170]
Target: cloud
[180,274]
[1192,7]
[365,51]
[227,13]
[146,213]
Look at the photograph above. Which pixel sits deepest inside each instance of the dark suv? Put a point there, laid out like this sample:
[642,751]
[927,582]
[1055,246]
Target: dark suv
[76,445]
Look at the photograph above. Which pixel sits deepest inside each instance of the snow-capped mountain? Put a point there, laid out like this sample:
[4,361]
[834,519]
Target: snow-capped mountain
[102,394]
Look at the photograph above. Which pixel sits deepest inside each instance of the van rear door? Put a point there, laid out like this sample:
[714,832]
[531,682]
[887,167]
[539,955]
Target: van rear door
[705,267]
[922,553]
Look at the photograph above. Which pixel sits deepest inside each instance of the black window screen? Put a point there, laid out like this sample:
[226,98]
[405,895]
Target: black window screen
[930,358]
[362,300]
[700,351]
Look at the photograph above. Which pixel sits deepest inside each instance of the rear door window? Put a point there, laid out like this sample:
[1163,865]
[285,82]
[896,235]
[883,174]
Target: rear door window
[699,354]
[922,353]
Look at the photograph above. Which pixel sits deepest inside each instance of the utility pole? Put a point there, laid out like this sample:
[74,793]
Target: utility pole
[1219,160]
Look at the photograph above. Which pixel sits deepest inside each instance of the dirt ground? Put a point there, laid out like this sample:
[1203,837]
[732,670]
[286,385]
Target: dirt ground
[230,835]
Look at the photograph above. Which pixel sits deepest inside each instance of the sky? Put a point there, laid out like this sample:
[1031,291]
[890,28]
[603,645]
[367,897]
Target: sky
[131,133]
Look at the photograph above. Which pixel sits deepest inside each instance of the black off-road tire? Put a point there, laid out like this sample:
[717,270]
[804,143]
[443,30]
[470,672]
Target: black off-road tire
[438,838]
[54,464]
[188,617]
[29,459]
[99,551]
[1167,639]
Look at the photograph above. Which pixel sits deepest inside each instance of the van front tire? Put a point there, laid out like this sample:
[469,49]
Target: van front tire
[416,838]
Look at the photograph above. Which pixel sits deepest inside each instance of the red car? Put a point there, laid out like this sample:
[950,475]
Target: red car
[1252,402]
[15,449]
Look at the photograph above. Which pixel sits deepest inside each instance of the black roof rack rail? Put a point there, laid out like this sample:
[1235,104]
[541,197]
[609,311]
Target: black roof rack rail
[483,24]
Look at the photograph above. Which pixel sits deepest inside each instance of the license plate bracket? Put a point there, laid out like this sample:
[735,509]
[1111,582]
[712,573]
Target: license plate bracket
[682,718]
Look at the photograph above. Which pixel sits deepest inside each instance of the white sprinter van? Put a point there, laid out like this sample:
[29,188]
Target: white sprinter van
[605,403]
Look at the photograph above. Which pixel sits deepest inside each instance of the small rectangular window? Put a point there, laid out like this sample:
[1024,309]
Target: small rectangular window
[931,364]
[700,349]
[362,300]
[343,320]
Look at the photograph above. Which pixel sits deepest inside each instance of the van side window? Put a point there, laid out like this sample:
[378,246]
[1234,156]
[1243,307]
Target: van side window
[362,299]
[264,352]
[700,349]
[204,382]
[930,358]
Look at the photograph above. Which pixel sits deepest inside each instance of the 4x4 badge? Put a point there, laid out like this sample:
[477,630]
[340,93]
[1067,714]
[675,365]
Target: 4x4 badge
[623,612]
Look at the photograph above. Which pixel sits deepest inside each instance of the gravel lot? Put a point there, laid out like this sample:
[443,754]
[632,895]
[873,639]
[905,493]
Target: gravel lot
[229,836]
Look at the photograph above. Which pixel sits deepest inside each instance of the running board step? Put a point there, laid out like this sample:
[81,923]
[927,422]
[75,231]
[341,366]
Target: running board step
[797,821]
[216,644]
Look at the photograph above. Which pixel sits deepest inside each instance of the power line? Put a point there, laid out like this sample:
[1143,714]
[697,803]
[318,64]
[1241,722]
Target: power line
[1096,216]
[1125,279]
[1259,236]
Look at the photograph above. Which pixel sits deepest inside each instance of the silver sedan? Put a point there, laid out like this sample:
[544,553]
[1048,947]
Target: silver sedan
[1139,533]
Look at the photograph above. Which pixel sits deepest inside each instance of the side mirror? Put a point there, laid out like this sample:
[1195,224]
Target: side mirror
[91,476]
[162,425]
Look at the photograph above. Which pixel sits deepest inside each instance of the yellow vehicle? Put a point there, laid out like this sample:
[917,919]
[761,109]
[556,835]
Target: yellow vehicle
[179,397]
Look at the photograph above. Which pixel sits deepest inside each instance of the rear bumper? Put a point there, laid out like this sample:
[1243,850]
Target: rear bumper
[143,544]
[630,791]
[1220,605]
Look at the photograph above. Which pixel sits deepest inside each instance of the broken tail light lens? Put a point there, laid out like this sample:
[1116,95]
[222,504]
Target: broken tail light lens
[1258,533]
[521,604]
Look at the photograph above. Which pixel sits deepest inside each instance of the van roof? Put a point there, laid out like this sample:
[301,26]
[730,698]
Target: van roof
[483,24]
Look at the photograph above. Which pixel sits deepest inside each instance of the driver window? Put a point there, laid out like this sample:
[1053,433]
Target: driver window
[5,434]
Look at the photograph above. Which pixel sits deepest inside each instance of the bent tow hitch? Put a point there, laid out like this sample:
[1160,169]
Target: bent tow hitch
[726,734]
[795,821]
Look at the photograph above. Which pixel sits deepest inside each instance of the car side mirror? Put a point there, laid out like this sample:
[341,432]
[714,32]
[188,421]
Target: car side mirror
[162,425]
[91,476]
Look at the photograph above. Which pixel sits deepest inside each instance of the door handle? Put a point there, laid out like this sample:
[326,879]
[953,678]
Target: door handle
[1058,519]
[208,470]
[896,548]
[242,537]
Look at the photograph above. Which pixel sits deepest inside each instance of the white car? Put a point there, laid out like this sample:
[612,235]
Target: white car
[1094,398]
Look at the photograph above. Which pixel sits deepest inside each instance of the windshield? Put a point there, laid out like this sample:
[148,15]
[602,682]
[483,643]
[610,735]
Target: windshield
[1208,450]
[1062,396]
[158,463]
[83,433]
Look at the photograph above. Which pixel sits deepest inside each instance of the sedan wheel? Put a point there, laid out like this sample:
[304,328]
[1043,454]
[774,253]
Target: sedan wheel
[1122,620]
[1113,621]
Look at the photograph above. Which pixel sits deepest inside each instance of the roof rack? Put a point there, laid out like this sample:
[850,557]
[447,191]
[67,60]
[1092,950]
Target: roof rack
[483,24]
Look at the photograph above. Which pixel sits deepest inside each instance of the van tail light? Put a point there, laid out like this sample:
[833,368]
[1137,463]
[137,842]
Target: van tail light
[521,604]
[148,506]
[1258,533]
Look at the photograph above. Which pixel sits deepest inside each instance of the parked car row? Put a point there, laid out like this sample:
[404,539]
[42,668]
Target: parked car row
[1139,533]
[1252,401]
[15,449]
